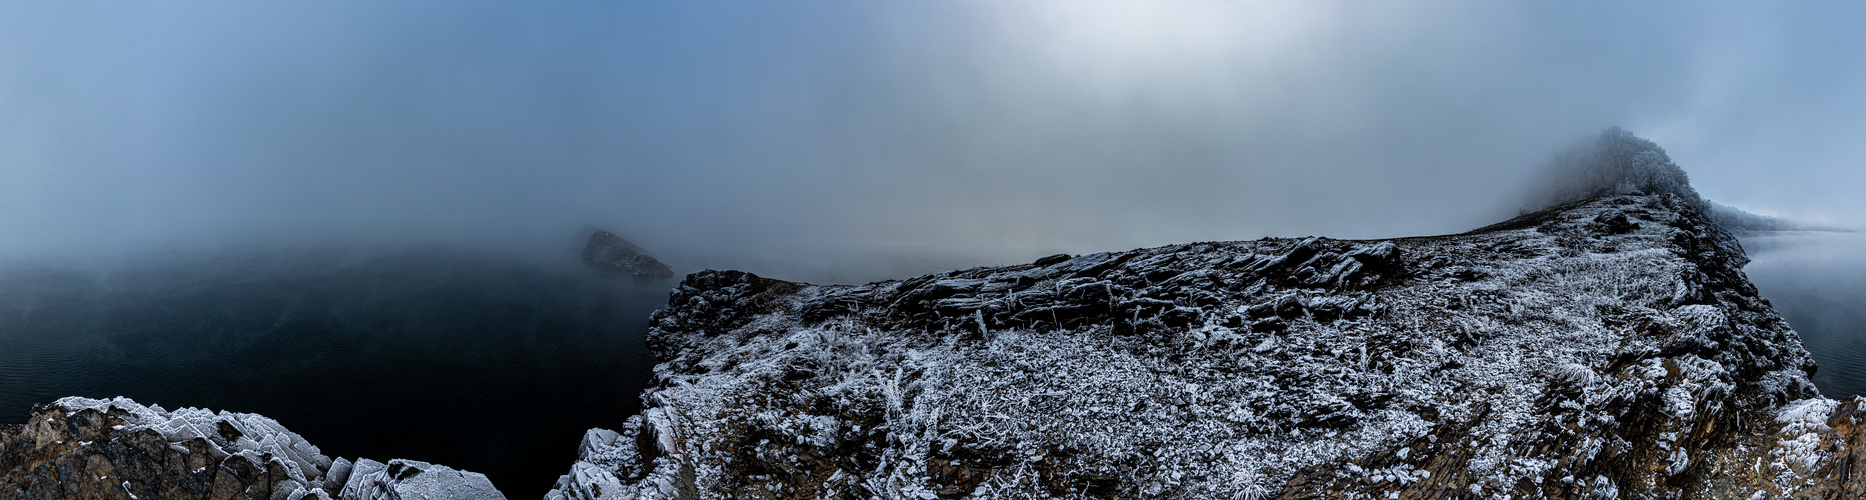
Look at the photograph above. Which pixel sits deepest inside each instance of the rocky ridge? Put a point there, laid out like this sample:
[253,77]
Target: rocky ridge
[1605,348]
[120,449]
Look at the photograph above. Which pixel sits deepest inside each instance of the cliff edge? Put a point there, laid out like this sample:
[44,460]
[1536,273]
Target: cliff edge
[1605,348]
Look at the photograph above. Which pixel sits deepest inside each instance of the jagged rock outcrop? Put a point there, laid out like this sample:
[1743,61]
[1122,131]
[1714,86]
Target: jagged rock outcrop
[1600,349]
[119,449]
[611,254]
[408,479]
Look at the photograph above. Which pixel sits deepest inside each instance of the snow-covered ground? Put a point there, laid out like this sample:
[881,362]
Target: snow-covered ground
[1607,348]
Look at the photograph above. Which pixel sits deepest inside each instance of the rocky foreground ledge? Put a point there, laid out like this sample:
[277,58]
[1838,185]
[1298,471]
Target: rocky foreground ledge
[119,449]
[1608,348]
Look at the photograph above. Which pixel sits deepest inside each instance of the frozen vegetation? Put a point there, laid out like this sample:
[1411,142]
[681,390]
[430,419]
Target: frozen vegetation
[1618,162]
[1605,348]
[1614,162]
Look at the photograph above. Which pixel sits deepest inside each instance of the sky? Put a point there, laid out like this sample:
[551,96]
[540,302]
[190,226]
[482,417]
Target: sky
[1002,129]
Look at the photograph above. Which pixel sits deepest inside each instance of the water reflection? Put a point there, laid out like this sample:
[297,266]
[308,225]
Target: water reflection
[1817,281]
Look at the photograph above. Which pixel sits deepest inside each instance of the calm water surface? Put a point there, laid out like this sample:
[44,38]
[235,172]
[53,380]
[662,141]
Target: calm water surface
[1817,281]
[498,366]
[479,363]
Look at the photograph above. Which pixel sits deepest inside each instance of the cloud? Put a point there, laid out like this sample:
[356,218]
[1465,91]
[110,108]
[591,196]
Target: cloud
[1002,129]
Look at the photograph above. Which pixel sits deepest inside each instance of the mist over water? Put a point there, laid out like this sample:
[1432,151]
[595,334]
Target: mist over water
[482,363]
[1817,281]
[355,217]
[1006,129]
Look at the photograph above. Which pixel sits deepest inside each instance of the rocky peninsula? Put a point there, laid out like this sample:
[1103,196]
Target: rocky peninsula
[1606,348]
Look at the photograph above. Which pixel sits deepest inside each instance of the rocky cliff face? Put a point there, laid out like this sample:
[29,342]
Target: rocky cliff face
[1601,349]
[119,449]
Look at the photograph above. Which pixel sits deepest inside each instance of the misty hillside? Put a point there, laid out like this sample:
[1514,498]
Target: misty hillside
[1618,162]
[1738,220]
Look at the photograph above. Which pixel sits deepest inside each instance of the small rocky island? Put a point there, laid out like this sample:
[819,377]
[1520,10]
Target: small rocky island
[1606,348]
[610,254]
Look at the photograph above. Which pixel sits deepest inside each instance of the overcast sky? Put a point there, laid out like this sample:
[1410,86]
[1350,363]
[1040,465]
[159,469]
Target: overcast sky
[992,127]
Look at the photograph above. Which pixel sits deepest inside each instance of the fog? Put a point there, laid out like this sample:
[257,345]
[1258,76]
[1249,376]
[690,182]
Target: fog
[751,134]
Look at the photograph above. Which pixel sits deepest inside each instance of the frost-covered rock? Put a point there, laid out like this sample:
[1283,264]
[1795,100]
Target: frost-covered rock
[1609,348]
[120,449]
[408,480]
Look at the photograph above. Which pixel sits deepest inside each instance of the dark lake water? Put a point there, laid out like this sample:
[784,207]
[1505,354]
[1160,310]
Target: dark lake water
[480,363]
[1817,281]
[495,365]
